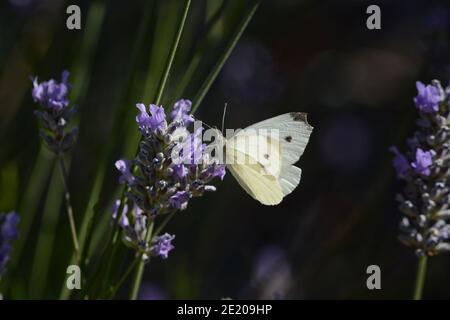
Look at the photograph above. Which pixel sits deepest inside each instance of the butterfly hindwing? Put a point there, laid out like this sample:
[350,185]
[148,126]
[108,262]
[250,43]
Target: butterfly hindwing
[264,188]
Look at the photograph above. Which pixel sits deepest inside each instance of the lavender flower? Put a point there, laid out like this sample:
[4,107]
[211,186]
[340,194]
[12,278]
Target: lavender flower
[180,112]
[424,168]
[134,225]
[423,162]
[124,166]
[180,200]
[8,232]
[123,220]
[171,168]
[151,123]
[51,94]
[428,98]
[162,245]
[54,113]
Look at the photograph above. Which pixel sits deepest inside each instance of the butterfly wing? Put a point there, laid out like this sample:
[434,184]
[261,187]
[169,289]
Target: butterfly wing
[261,156]
[294,132]
[263,187]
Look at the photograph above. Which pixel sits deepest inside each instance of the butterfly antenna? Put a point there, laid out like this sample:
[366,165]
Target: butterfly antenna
[223,117]
[207,125]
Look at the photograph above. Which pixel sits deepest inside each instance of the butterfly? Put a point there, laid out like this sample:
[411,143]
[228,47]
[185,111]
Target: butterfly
[261,157]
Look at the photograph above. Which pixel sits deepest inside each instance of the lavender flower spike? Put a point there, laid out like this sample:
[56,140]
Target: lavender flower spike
[424,168]
[54,113]
[170,169]
[162,184]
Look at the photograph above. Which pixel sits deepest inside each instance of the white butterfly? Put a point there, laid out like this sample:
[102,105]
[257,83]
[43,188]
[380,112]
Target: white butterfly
[261,156]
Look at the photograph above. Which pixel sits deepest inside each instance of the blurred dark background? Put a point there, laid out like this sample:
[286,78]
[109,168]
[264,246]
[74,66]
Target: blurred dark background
[312,56]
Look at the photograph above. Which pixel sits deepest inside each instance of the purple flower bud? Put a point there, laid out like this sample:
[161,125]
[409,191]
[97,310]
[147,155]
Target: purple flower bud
[124,166]
[180,112]
[180,170]
[428,98]
[163,245]
[400,163]
[217,171]
[180,200]
[51,94]
[123,220]
[142,119]
[423,161]
[140,227]
[154,122]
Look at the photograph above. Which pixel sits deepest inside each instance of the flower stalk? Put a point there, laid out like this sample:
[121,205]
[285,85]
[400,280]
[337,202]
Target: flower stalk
[420,278]
[54,115]
[136,284]
[73,229]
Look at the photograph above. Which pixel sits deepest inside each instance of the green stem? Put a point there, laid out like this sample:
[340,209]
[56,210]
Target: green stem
[223,58]
[141,265]
[173,50]
[420,277]
[73,228]
[95,284]
[197,57]
[123,278]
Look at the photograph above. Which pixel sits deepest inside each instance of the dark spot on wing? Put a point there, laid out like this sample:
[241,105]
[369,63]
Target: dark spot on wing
[266,156]
[288,138]
[300,116]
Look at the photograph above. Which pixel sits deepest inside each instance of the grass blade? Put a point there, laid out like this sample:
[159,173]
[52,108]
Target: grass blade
[223,58]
